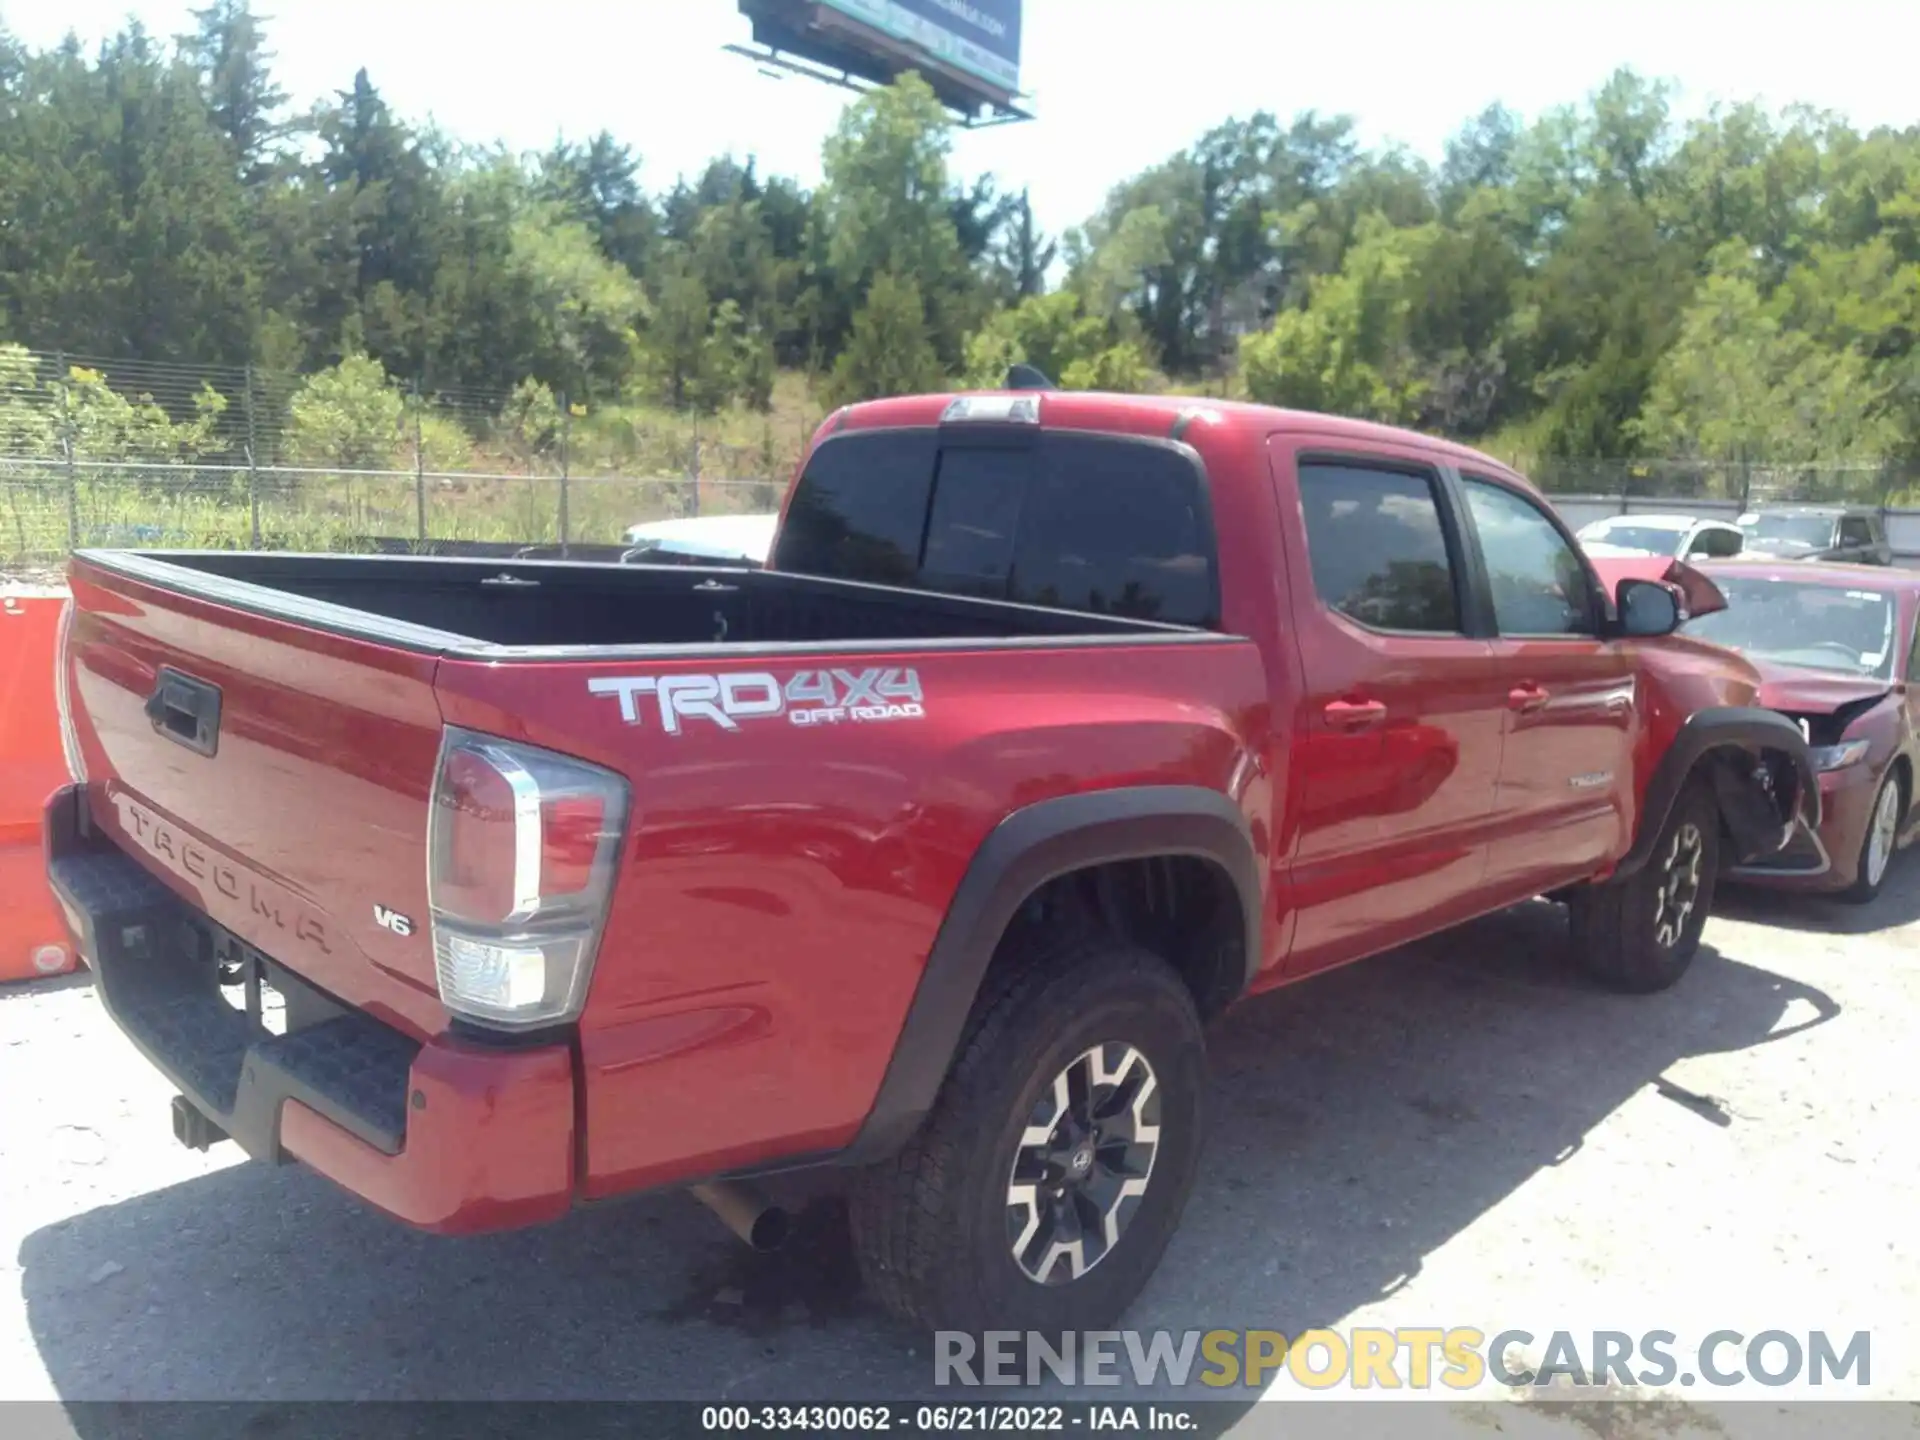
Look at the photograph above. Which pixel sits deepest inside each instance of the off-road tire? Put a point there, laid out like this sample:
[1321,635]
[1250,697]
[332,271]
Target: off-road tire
[1616,926]
[1864,888]
[931,1224]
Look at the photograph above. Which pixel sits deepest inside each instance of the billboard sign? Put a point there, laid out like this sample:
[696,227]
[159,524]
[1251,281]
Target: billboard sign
[979,37]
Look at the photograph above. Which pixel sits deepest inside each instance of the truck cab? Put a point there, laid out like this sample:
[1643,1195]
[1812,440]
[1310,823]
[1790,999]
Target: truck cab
[1853,534]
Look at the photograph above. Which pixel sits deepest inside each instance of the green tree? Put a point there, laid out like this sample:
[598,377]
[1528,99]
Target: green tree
[885,208]
[676,348]
[105,424]
[1738,385]
[1600,312]
[349,415]
[1025,255]
[598,184]
[380,217]
[530,422]
[126,231]
[889,351]
[228,51]
[584,306]
[1054,334]
[1349,352]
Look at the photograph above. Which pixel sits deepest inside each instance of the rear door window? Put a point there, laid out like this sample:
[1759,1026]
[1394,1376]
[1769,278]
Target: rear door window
[1377,546]
[1072,522]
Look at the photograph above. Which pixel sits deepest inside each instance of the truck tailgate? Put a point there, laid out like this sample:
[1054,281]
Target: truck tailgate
[275,775]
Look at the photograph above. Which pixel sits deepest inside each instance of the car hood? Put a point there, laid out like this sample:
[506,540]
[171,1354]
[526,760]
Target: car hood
[1701,595]
[1810,692]
[1607,550]
[1778,545]
[722,537]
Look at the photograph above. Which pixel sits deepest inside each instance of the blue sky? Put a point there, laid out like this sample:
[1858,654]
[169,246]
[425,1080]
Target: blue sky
[1117,84]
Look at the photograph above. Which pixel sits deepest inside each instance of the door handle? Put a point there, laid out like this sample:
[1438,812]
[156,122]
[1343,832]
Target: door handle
[1354,714]
[1526,698]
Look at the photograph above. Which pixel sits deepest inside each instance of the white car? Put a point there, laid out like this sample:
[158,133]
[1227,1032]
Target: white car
[1679,537]
[721,538]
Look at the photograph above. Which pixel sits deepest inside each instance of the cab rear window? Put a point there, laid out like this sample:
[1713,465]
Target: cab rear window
[1107,524]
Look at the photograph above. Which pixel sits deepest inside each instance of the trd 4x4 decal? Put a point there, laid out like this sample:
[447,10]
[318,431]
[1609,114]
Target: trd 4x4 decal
[808,697]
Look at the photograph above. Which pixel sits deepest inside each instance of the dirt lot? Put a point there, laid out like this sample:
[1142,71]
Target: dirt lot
[1463,1133]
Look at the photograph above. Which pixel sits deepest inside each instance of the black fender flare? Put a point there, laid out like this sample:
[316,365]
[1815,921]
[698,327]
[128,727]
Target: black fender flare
[1740,727]
[1031,846]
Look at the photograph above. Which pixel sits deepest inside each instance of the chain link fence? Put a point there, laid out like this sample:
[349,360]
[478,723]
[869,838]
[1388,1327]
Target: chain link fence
[135,453]
[1741,484]
[113,453]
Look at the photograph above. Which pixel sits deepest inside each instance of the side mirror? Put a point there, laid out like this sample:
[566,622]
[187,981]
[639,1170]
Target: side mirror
[1647,608]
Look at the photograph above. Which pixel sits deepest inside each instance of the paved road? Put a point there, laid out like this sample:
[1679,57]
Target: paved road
[1462,1133]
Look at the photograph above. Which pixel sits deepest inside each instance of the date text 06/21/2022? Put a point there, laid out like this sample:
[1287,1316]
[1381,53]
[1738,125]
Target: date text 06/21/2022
[945,1419]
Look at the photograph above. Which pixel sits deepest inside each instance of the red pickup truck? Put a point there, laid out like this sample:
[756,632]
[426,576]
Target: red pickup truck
[1055,724]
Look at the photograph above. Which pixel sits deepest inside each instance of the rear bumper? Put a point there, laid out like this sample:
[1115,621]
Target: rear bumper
[446,1136]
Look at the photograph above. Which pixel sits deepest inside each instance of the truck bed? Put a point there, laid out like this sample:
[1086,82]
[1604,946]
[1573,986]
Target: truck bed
[564,608]
[262,731]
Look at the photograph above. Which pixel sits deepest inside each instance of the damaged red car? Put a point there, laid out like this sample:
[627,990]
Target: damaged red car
[1836,649]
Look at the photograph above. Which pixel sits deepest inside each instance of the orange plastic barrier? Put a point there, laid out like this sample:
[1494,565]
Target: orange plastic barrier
[33,764]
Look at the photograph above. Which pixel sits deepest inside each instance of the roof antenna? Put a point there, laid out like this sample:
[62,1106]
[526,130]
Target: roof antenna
[1025,377]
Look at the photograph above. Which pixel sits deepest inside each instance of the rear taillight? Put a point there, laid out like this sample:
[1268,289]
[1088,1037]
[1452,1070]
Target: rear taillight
[520,863]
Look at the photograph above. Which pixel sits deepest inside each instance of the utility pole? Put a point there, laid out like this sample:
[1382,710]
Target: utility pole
[67,447]
[253,468]
[566,439]
[419,470]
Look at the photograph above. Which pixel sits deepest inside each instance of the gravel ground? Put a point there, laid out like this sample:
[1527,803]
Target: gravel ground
[1461,1133]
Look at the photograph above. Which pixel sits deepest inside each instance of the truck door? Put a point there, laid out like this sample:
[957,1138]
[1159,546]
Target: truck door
[1566,764]
[1398,741]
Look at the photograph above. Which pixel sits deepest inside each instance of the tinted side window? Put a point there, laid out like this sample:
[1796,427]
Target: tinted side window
[1539,585]
[1117,527]
[858,510]
[1378,551]
[1721,543]
[1714,543]
[1854,531]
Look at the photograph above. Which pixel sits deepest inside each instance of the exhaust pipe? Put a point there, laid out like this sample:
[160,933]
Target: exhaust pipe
[746,1212]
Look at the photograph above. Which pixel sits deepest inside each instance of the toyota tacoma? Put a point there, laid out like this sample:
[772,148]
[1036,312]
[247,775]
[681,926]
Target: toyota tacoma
[1054,725]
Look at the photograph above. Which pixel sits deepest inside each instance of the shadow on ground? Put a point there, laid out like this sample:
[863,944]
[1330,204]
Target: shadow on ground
[1360,1121]
[1897,904]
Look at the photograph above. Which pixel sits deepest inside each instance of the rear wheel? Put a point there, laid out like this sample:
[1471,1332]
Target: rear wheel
[1881,840]
[1045,1184]
[1640,934]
